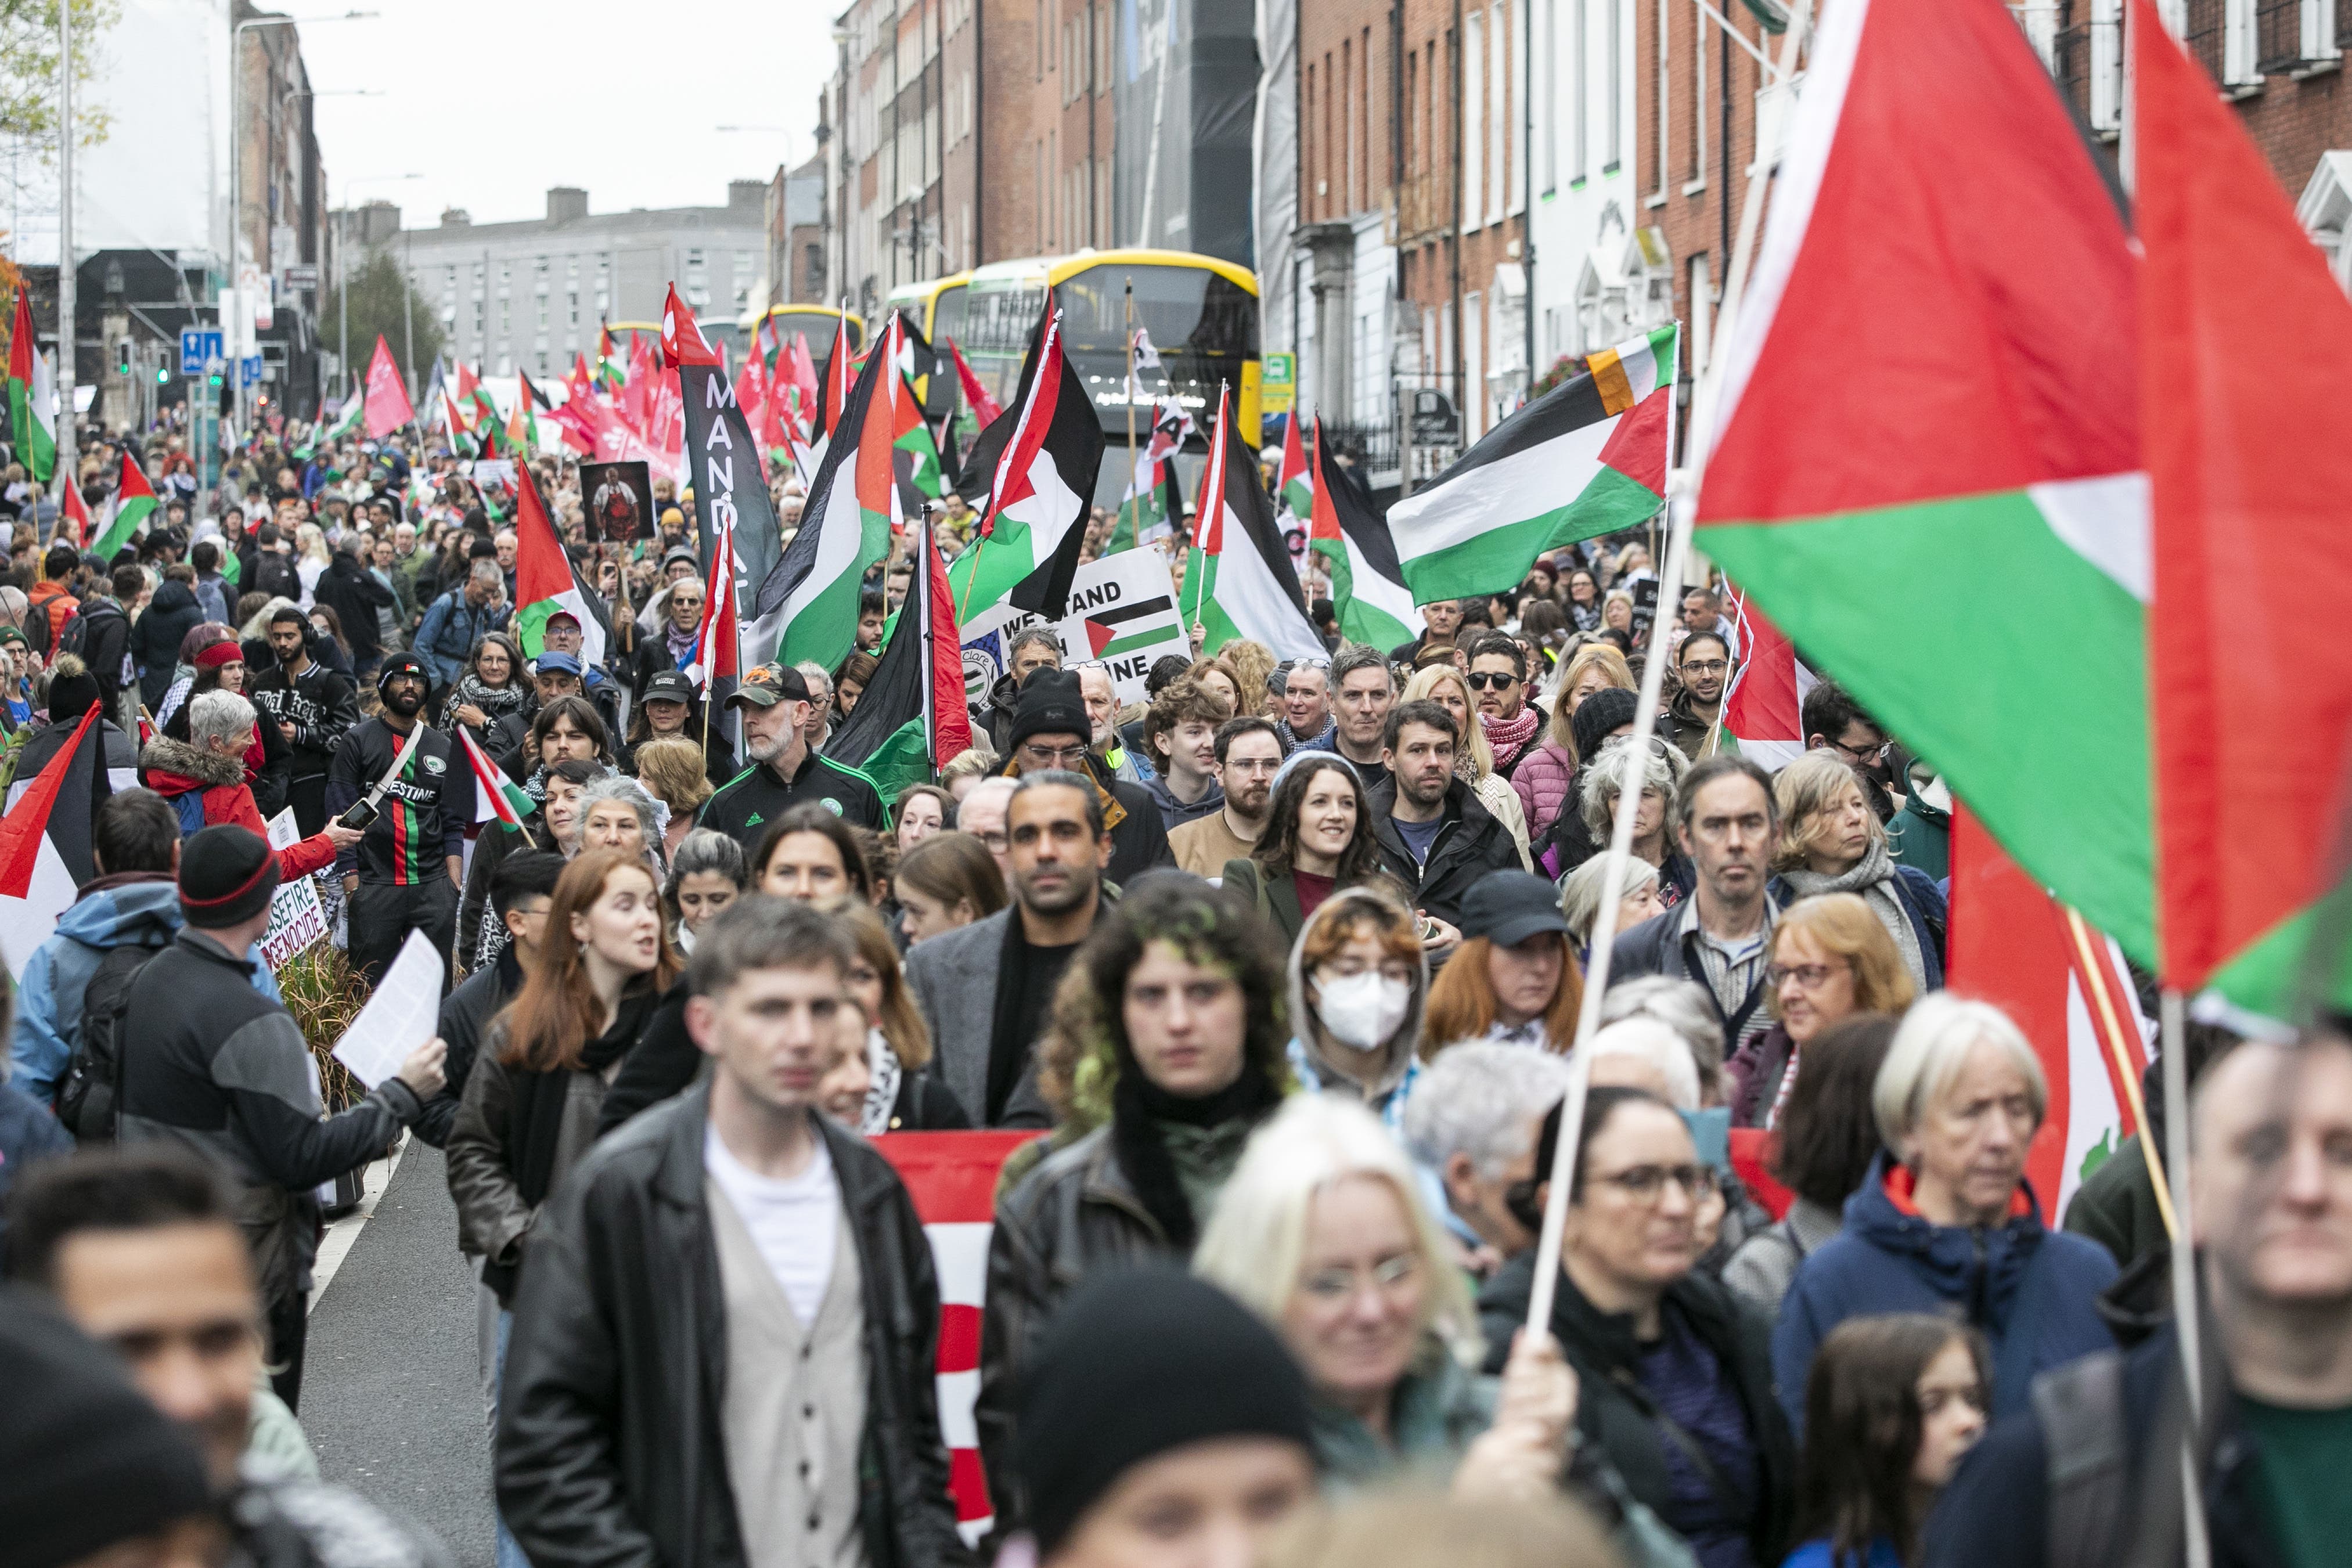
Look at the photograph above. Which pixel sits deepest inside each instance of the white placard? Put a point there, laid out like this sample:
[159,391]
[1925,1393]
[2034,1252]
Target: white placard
[399,1017]
[1123,612]
[297,918]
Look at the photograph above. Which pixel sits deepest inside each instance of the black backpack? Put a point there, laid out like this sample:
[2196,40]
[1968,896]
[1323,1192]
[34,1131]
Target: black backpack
[91,1092]
[77,636]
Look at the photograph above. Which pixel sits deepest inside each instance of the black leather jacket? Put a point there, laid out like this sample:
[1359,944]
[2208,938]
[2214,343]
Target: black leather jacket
[1074,1214]
[610,1447]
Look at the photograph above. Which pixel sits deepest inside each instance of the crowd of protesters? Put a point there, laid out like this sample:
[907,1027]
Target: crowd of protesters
[1281,967]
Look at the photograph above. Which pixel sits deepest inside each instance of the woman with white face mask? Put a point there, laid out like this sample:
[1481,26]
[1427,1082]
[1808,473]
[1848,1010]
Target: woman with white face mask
[1358,983]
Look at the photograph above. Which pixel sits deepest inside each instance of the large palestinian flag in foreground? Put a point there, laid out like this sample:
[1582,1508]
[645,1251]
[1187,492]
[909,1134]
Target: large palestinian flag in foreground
[911,721]
[1367,584]
[1931,473]
[1587,458]
[45,843]
[1928,466]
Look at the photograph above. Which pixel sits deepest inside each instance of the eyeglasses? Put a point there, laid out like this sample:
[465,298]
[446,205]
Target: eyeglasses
[1705,666]
[1808,977]
[1647,1184]
[1480,680]
[1053,756]
[995,842]
[1863,755]
[1335,1285]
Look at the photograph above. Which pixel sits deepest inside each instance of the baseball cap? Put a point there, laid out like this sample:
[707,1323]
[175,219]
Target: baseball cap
[562,664]
[769,684]
[669,686]
[1507,907]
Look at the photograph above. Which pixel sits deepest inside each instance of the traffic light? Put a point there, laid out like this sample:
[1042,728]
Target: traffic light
[162,376]
[122,357]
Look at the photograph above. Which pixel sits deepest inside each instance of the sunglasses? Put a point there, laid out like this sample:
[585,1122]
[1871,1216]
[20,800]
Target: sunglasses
[1481,680]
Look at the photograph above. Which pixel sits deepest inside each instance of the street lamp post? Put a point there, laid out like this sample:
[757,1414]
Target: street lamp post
[67,459]
[244,326]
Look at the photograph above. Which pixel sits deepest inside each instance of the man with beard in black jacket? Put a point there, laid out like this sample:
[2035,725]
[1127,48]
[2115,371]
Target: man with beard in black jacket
[404,875]
[312,707]
[724,1347]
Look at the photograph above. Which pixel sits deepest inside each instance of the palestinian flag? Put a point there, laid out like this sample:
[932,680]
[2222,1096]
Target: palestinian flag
[496,797]
[2065,985]
[1587,458]
[1152,507]
[912,720]
[32,401]
[1763,711]
[45,843]
[611,368]
[346,422]
[2245,473]
[1120,630]
[807,606]
[1238,582]
[73,521]
[1934,410]
[545,581]
[1293,485]
[1367,584]
[126,510]
[1026,548]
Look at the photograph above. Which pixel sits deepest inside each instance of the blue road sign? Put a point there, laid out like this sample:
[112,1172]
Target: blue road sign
[250,375]
[197,346]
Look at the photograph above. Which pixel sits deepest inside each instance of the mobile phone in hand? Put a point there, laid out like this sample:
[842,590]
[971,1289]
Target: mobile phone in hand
[359,817]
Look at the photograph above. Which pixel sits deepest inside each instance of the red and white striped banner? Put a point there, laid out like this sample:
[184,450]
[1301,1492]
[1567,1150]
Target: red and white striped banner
[952,1178]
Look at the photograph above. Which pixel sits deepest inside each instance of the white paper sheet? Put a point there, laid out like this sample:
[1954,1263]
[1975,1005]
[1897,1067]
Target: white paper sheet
[399,1017]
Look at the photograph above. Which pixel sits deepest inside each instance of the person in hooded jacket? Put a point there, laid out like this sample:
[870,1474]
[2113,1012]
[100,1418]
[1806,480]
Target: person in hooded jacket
[201,778]
[355,595]
[1165,1051]
[155,636]
[1945,1222]
[1359,986]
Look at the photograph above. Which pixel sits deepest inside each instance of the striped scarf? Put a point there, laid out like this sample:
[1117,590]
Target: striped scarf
[1509,736]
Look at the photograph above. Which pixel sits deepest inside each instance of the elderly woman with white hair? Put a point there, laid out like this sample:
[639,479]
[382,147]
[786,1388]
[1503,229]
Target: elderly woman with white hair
[1321,1231]
[1474,1118]
[616,813]
[1580,901]
[1945,1222]
[1600,783]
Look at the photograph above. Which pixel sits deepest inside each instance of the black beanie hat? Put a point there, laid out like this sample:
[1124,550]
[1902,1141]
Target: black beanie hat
[72,693]
[1603,711]
[1139,1362]
[86,1462]
[1050,704]
[403,664]
[227,874]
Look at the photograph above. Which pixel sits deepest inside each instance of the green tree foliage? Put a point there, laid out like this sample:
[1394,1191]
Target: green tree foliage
[28,69]
[379,292]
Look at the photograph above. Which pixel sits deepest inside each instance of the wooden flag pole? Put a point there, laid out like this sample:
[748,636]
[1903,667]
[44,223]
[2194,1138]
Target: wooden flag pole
[1134,500]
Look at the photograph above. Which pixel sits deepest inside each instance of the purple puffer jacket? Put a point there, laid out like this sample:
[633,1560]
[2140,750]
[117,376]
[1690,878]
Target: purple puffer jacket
[1542,780]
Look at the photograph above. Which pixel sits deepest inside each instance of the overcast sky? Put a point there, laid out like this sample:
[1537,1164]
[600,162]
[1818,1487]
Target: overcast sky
[492,101]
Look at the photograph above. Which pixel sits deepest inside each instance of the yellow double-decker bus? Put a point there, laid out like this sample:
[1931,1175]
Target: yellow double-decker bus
[924,304]
[1201,313]
[814,322]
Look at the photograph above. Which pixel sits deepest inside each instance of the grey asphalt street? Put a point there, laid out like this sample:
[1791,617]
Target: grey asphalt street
[390,1396]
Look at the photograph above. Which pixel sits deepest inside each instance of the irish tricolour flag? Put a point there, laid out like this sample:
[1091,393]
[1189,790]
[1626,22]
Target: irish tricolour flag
[126,509]
[1587,458]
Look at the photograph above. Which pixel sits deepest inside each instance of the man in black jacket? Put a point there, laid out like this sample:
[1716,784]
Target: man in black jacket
[724,1347]
[349,590]
[1434,836]
[100,634]
[1052,730]
[312,707]
[212,1065]
[521,890]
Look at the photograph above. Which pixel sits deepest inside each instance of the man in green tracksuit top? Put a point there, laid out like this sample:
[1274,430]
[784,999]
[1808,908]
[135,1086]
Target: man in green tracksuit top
[404,874]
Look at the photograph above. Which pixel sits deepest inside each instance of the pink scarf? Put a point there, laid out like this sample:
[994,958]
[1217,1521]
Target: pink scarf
[1509,736]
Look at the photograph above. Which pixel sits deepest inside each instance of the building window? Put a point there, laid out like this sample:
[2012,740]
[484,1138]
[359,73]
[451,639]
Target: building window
[1613,138]
[1579,163]
[1498,114]
[1547,51]
[1665,108]
[572,308]
[1698,98]
[1473,118]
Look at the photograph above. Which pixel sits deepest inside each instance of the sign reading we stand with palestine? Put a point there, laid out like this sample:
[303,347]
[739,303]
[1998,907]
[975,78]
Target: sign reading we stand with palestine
[1123,613]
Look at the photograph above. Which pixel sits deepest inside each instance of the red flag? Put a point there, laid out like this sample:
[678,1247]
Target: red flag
[2065,987]
[951,1177]
[2246,391]
[983,407]
[637,393]
[45,843]
[76,514]
[802,371]
[1764,709]
[717,643]
[387,398]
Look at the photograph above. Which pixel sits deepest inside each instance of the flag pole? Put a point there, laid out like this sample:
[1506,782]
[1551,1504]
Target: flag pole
[1134,501]
[2111,1034]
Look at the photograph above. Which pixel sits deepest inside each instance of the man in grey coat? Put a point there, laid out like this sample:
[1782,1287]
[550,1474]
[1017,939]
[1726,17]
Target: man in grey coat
[986,989]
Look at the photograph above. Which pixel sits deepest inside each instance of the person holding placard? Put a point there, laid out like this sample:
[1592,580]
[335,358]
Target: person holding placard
[210,1065]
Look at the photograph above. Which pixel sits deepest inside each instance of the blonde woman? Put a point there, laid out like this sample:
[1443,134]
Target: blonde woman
[1251,663]
[1831,958]
[310,548]
[672,772]
[1545,778]
[1832,841]
[1474,761]
[1323,1233]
